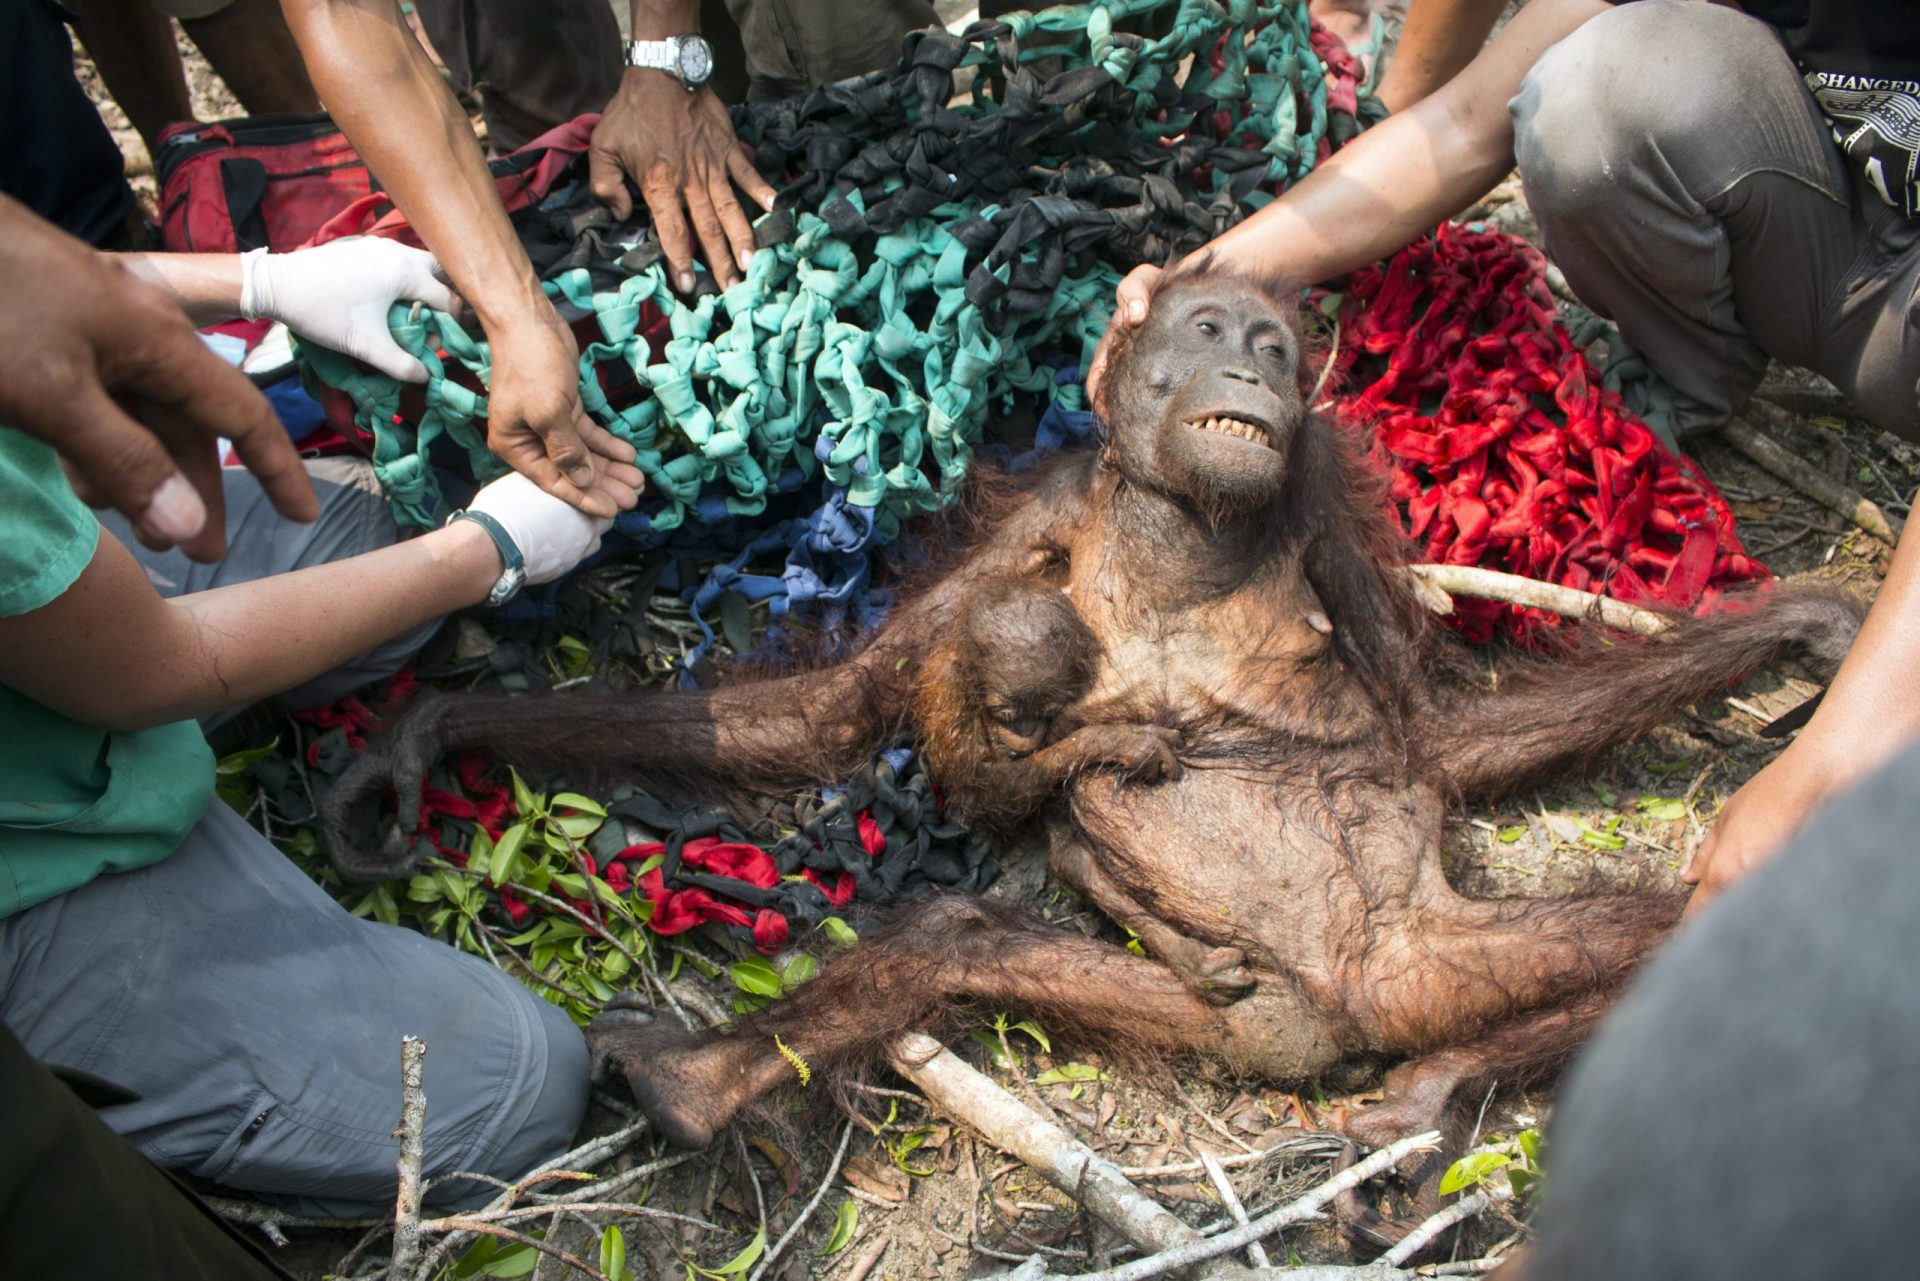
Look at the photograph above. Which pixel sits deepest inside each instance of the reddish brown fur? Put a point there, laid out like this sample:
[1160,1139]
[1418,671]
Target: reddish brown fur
[1251,750]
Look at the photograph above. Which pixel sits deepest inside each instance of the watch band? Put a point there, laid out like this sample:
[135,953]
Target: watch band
[514,575]
[688,58]
[655,55]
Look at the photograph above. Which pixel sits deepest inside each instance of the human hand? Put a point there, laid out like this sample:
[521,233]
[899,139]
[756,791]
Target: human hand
[680,150]
[107,370]
[1755,823]
[1130,301]
[552,536]
[537,425]
[338,295]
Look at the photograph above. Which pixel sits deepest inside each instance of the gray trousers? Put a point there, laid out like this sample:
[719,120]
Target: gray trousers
[257,1021]
[1749,1112]
[1686,183]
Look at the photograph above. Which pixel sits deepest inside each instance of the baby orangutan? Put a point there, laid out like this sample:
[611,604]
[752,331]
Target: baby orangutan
[1197,650]
[988,705]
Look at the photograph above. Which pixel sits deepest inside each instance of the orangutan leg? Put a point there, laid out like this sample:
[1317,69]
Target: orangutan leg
[911,975]
[1217,975]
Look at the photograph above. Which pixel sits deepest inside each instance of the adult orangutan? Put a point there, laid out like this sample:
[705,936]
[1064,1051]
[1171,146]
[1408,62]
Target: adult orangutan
[1195,648]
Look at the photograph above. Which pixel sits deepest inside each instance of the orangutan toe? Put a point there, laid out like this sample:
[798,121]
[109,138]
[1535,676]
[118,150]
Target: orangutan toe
[1223,976]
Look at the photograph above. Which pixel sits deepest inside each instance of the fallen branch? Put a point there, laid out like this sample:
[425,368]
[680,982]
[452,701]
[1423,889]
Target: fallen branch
[869,1258]
[1256,1253]
[1067,1163]
[1295,1211]
[413,1129]
[1512,589]
[1460,1211]
[1817,485]
[806,1212]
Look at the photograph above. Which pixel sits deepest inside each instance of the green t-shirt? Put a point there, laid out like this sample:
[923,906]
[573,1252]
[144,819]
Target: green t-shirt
[75,802]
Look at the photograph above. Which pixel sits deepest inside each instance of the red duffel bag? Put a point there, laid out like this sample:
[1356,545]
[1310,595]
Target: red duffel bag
[260,181]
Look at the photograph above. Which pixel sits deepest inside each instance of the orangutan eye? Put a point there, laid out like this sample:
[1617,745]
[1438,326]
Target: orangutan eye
[1208,328]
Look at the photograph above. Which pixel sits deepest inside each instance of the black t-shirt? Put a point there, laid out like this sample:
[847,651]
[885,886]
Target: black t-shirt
[1861,61]
[56,157]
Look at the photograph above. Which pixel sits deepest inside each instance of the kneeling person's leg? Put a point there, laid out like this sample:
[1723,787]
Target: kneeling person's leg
[260,1025]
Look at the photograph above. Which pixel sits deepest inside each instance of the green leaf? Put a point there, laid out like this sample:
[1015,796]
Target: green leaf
[799,968]
[575,801]
[500,866]
[737,1266]
[512,1261]
[524,800]
[1032,1029]
[1003,1057]
[578,826]
[1134,944]
[238,763]
[1601,840]
[1521,1179]
[1472,1170]
[756,977]
[1606,797]
[845,1220]
[1528,1142]
[1330,305]
[837,930]
[1662,809]
[1508,835]
[1067,1072]
[734,623]
[613,1254]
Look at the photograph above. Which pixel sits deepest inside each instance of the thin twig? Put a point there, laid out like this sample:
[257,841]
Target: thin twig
[819,1194]
[1460,1211]
[1213,1123]
[869,1259]
[464,1221]
[413,1127]
[1296,1211]
[1256,1253]
[1194,1167]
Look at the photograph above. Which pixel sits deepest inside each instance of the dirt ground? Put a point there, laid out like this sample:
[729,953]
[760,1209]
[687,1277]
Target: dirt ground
[949,1206]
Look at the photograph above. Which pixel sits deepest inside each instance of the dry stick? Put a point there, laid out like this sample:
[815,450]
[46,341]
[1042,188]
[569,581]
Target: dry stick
[1256,1253]
[1817,485]
[459,1222]
[870,1259]
[1459,1212]
[1513,589]
[1194,1167]
[1067,1163]
[413,1126]
[1295,1211]
[806,1211]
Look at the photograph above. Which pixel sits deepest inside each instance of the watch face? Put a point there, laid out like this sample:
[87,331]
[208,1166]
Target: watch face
[696,60]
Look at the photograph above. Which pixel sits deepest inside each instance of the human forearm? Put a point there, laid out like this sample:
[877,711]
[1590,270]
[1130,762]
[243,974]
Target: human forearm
[1872,708]
[389,101]
[658,19]
[229,646]
[1440,39]
[207,286]
[1400,178]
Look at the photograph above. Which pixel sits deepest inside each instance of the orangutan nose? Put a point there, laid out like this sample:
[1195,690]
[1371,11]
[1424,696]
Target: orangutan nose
[1242,376]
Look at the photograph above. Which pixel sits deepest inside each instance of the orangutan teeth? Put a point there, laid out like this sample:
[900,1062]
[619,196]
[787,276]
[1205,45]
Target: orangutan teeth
[1250,432]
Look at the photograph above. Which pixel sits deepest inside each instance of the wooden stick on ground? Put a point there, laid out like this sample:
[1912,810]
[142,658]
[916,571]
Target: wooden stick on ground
[806,1212]
[1817,485]
[1067,1163]
[1459,1212]
[413,1128]
[1512,589]
[1256,1253]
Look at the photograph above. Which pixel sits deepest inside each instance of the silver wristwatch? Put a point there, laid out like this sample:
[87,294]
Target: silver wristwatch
[688,58]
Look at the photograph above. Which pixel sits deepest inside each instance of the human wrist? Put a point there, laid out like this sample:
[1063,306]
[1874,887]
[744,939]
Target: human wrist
[468,558]
[659,19]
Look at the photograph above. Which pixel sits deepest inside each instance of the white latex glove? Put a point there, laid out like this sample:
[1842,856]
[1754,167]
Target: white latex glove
[338,295]
[553,536]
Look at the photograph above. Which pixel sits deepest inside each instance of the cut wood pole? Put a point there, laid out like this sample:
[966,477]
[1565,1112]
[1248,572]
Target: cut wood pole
[1512,589]
[1815,484]
[1070,1165]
